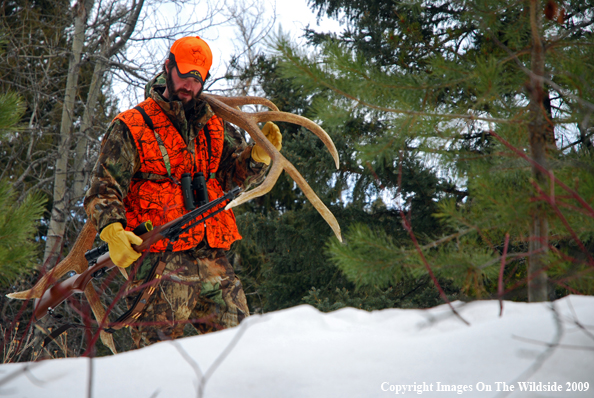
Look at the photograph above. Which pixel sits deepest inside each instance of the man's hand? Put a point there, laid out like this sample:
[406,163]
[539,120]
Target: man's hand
[272,132]
[120,244]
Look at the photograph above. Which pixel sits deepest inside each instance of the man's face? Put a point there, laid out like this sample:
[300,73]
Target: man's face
[182,89]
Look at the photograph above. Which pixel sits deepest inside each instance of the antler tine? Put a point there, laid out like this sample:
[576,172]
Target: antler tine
[248,122]
[273,116]
[276,116]
[247,100]
[99,313]
[280,164]
[266,186]
[74,261]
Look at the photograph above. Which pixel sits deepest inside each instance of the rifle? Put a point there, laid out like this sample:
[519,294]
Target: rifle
[100,262]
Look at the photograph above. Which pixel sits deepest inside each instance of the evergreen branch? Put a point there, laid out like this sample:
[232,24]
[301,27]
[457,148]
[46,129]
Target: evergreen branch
[307,71]
[551,201]
[483,236]
[572,260]
[564,286]
[569,44]
[581,140]
[572,207]
[509,256]
[446,239]
[408,228]
[364,76]
[413,113]
[548,173]
[377,179]
[559,39]
[438,242]
[534,274]
[561,90]
[421,283]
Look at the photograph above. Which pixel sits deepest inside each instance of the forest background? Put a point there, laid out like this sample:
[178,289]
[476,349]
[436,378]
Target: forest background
[463,128]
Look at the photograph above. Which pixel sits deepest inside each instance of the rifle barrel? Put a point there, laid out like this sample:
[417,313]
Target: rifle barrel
[76,284]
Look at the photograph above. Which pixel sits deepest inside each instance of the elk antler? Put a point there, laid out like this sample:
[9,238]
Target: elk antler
[74,261]
[225,108]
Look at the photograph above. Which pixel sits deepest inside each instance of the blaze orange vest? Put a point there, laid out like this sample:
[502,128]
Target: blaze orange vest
[155,191]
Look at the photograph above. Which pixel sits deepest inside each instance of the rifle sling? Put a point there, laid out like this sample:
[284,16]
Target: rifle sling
[141,301]
[134,312]
[58,331]
[174,234]
[155,275]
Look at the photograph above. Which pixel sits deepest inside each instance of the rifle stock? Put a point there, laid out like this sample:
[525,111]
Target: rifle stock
[77,283]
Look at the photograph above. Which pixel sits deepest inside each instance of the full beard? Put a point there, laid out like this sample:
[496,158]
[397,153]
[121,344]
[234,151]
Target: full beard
[190,104]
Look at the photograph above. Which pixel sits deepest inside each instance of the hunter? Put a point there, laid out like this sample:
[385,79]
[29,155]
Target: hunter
[145,154]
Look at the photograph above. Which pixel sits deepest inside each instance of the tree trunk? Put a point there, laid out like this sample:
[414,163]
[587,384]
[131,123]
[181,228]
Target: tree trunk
[109,48]
[540,130]
[82,158]
[57,224]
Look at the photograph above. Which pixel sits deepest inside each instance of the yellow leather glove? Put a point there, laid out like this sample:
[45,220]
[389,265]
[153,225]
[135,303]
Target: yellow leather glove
[272,132]
[120,243]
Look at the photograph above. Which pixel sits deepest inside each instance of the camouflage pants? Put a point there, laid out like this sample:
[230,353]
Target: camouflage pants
[198,287]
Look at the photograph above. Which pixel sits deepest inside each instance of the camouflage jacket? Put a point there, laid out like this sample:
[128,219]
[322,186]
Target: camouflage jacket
[119,160]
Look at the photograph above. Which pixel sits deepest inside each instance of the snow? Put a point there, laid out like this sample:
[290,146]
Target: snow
[301,352]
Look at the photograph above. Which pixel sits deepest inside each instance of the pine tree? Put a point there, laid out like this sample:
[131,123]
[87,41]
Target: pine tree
[18,221]
[283,255]
[497,96]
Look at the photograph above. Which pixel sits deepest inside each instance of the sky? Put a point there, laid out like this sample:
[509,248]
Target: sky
[300,352]
[291,16]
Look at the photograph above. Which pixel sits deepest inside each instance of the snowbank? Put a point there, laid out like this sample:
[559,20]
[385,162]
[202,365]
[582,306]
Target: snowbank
[301,352]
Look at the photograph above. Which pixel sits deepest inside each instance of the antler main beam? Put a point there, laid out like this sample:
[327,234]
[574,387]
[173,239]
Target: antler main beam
[240,101]
[74,261]
[225,108]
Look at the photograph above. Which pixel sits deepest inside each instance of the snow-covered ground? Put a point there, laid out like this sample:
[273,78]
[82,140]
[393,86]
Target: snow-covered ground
[301,352]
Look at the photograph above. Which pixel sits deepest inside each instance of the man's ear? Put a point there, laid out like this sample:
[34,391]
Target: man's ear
[167,65]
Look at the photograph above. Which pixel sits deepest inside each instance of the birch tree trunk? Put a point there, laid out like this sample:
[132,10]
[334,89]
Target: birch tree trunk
[61,201]
[109,48]
[81,159]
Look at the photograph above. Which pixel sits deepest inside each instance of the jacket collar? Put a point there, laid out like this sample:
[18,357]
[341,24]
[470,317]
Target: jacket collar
[187,123]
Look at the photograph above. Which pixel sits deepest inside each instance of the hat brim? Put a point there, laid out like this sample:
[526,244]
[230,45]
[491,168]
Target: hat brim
[189,70]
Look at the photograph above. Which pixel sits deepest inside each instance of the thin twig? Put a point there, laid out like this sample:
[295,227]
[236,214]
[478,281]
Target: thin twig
[193,364]
[203,378]
[574,194]
[551,201]
[407,226]
[25,369]
[543,356]
[560,90]
[500,287]
[209,372]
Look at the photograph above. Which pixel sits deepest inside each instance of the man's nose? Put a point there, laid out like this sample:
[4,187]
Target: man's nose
[186,84]
[191,84]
